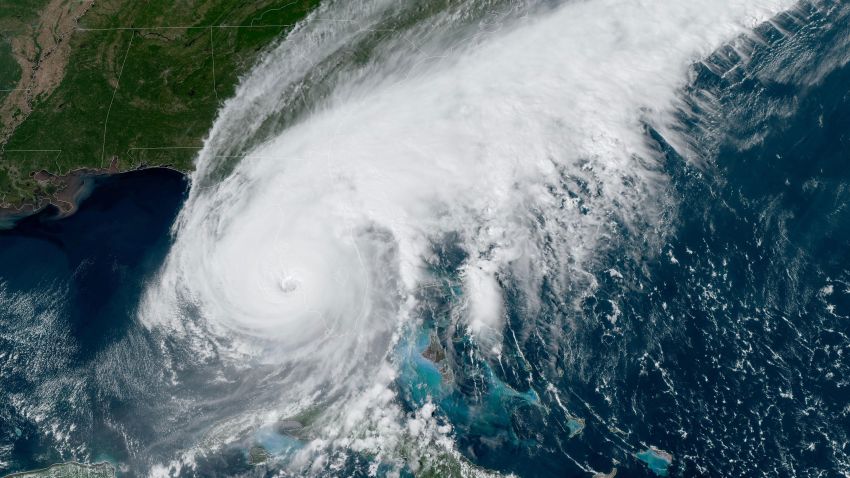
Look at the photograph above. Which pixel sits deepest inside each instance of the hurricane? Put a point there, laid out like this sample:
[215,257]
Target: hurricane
[384,151]
[483,238]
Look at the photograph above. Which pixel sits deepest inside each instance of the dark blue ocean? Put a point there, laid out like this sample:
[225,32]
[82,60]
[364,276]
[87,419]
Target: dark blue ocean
[86,272]
[730,350]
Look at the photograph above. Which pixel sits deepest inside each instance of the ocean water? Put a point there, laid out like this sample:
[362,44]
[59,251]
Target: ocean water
[674,302]
[69,288]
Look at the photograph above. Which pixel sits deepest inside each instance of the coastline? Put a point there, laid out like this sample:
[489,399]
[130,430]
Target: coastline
[71,190]
[102,469]
[91,269]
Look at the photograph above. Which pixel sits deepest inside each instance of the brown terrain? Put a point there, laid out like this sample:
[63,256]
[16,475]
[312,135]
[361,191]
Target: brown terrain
[43,56]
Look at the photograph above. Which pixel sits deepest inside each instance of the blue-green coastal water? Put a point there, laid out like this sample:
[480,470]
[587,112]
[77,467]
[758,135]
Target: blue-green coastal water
[708,337]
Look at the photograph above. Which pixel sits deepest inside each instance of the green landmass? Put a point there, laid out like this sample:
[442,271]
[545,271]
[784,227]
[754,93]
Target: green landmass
[258,455]
[70,470]
[141,87]
[10,71]
[16,18]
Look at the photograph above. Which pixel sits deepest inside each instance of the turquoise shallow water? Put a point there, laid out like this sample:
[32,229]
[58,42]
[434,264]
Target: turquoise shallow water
[729,352]
[657,464]
[723,343]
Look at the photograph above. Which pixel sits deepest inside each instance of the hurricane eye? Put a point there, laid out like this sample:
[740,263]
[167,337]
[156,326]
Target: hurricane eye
[289,284]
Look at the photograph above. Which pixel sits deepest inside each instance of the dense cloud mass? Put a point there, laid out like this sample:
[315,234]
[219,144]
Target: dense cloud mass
[517,130]
[465,238]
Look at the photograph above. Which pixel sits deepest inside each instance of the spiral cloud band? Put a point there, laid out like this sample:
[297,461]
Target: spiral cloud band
[515,129]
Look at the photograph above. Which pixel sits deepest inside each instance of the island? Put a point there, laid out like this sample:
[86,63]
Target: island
[70,470]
